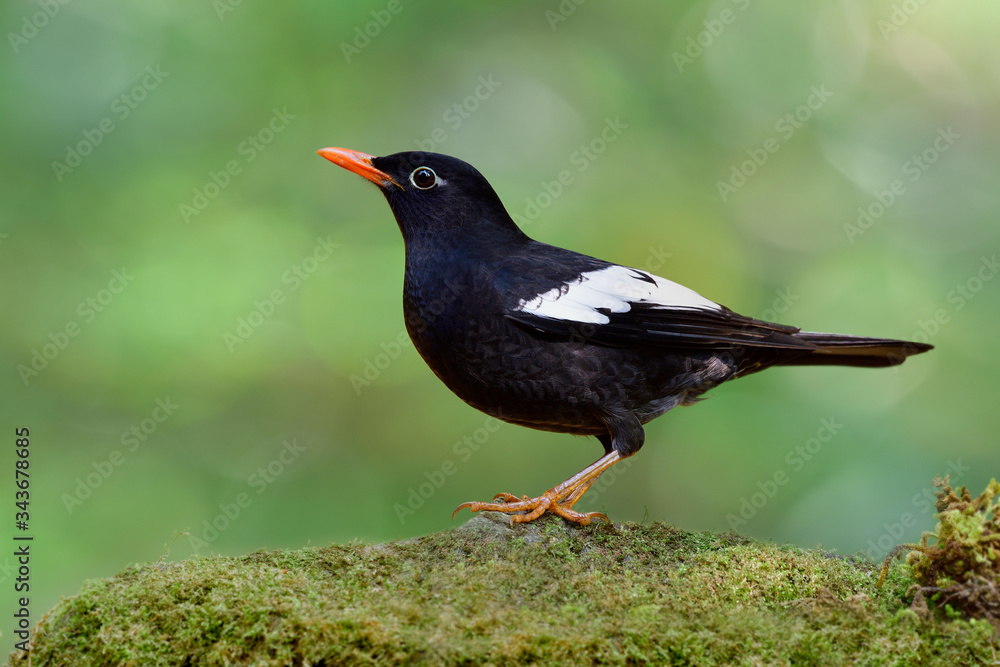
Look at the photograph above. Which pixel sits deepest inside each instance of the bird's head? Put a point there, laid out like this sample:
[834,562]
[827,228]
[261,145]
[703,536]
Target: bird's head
[431,193]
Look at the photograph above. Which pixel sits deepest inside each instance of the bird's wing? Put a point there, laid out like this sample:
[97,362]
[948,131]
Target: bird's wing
[619,306]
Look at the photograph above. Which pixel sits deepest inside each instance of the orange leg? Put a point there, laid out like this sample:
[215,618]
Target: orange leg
[558,500]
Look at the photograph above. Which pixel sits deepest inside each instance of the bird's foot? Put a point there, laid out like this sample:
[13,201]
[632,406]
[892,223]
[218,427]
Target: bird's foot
[559,499]
[524,509]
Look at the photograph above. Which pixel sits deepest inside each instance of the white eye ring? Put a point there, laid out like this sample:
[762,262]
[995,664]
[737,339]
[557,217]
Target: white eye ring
[424,173]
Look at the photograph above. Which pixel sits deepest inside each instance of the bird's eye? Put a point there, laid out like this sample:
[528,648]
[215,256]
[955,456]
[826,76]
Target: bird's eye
[424,178]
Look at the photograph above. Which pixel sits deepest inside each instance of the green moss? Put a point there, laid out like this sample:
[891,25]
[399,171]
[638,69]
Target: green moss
[487,593]
[960,572]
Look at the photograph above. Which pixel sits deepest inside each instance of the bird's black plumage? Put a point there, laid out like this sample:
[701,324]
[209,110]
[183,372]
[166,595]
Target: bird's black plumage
[555,340]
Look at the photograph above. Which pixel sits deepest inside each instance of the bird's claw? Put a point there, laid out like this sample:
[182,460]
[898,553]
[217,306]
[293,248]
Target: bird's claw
[508,498]
[559,499]
[529,509]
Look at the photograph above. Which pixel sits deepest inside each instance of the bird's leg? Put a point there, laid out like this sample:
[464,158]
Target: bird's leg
[558,500]
[578,493]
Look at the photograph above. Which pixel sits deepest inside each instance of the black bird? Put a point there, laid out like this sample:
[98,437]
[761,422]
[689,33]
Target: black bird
[554,340]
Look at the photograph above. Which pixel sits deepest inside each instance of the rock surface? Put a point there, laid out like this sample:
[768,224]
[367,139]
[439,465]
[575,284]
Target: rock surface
[489,594]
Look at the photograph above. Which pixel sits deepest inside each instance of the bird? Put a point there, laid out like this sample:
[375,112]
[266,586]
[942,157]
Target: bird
[551,339]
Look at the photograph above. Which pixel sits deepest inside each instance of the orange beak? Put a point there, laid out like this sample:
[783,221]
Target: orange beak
[360,163]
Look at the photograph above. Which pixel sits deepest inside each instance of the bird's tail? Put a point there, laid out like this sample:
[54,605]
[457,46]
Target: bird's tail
[844,350]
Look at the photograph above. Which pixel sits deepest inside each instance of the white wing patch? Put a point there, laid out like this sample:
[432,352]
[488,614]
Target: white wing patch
[614,289]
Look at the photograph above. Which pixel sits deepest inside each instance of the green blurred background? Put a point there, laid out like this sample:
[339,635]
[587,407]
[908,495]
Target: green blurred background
[157,100]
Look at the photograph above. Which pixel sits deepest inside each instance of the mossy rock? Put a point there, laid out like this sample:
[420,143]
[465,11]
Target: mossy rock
[489,594]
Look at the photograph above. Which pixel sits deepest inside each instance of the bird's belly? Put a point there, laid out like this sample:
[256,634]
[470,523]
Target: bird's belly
[562,386]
